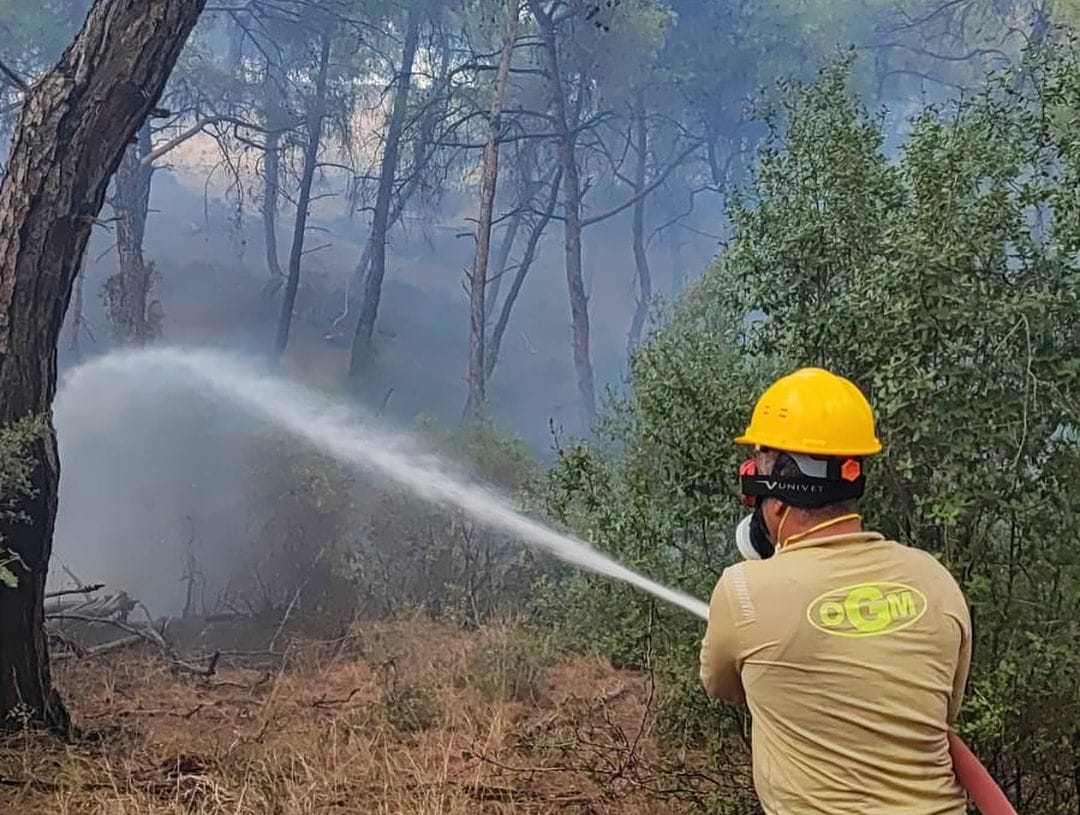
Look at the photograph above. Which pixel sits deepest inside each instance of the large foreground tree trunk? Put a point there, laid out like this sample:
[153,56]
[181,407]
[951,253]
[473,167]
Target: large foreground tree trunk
[303,202]
[571,181]
[127,291]
[361,354]
[478,277]
[71,136]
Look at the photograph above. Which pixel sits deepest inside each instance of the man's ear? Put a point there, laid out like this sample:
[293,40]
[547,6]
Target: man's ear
[771,511]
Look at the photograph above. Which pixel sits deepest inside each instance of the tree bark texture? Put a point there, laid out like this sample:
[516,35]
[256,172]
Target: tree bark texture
[571,182]
[127,291]
[641,260]
[78,320]
[361,353]
[72,133]
[316,115]
[489,177]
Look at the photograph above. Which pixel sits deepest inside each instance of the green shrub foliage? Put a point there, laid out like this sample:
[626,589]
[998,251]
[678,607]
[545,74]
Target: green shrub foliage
[944,282]
[16,469]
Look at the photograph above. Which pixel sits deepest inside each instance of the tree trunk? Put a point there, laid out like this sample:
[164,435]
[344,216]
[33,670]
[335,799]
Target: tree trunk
[641,260]
[474,405]
[502,261]
[579,307]
[126,292]
[678,275]
[311,159]
[422,153]
[529,185]
[361,354]
[272,177]
[519,276]
[77,319]
[235,56]
[71,136]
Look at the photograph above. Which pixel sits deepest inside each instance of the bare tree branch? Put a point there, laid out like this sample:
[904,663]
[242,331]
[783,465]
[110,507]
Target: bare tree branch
[195,130]
[656,182]
[13,78]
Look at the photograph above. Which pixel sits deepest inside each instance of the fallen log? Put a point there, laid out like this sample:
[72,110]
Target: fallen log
[109,605]
[98,650]
[145,632]
[86,591]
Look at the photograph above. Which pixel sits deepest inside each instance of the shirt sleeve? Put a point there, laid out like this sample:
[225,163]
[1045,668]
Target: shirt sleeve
[720,650]
[963,662]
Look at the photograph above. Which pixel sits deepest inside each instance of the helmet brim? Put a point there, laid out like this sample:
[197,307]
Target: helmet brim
[787,446]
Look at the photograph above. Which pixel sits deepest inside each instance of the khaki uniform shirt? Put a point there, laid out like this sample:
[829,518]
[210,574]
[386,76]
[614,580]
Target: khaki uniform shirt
[852,653]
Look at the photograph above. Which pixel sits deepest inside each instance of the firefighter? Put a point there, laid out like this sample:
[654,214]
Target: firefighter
[850,650]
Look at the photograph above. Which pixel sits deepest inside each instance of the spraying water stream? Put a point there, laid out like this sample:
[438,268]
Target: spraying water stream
[358,442]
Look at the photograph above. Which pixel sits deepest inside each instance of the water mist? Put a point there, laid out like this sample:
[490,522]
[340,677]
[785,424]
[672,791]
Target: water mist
[356,442]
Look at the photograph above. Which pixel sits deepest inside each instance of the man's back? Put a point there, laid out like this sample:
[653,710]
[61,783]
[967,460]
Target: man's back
[853,653]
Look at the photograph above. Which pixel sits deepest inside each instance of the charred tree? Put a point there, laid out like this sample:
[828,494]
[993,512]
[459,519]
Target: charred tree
[489,176]
[361,353]
[571,185]
[641,260]
[72,133]
[127,291]
[316,116]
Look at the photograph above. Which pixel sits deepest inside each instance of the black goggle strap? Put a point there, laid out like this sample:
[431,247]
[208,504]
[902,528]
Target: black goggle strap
[802,492]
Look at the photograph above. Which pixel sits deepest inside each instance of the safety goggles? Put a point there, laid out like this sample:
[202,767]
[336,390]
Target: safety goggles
[748,469]
[834,480]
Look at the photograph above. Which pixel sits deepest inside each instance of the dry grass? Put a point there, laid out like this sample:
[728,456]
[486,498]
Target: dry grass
[386,721]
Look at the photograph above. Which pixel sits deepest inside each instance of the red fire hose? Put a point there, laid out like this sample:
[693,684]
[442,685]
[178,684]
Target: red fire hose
[976,781]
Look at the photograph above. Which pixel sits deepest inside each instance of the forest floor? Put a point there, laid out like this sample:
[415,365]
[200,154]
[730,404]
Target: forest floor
[409,717]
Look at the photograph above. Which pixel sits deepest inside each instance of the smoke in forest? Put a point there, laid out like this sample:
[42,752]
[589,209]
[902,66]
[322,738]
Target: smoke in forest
[665,104]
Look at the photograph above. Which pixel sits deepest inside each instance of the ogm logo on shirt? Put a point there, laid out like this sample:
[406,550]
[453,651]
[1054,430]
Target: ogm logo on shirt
[867,609]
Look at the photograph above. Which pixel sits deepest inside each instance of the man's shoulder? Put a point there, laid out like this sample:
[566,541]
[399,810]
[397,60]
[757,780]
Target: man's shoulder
[918,558]
[926,568]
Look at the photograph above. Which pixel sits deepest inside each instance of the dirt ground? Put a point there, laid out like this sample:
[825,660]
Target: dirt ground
[399,718]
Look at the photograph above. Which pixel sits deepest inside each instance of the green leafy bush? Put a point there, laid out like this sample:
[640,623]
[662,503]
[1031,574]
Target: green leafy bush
[353,544]
[409,707]
[945,283]
[408,553]
[16,468]
[510,665]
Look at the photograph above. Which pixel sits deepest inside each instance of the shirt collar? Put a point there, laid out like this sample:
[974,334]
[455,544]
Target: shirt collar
[864,536]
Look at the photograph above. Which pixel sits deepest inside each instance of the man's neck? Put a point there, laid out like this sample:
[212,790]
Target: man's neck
[842,524]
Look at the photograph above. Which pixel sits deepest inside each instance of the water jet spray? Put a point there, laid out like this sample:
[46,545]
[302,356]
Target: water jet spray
[358,442]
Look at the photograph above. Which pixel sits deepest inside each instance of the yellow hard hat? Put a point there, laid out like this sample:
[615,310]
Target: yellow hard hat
[814,412]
